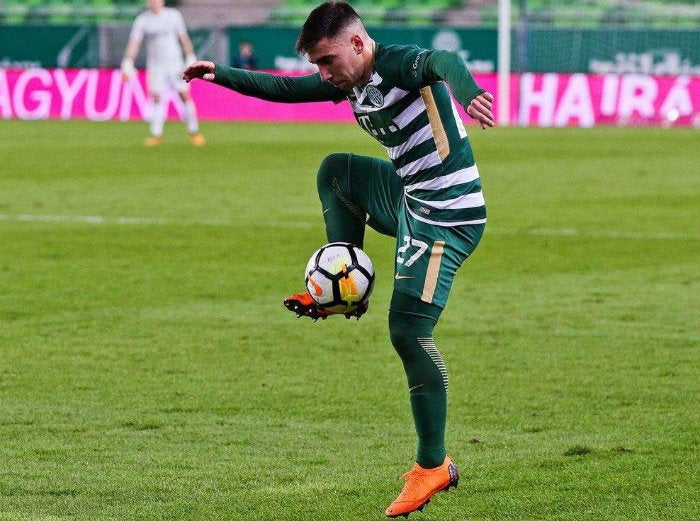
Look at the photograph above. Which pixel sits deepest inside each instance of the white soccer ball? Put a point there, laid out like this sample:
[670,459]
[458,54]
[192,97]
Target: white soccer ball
[339,276]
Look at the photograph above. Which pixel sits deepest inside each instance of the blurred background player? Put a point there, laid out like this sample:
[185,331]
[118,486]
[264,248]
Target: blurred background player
[245,59]
[165,34]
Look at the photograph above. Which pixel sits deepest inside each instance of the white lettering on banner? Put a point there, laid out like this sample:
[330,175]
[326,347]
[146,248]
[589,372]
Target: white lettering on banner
[5,100]
[577,99]
[544,99]
[69,91]
[132,93]
[608,100]
[112,98]
[576,103]
[678,98]
[637,94]
[41,97]
[659,61]
[97,95]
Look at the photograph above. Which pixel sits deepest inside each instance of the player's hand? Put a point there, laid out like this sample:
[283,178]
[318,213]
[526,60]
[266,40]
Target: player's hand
[480,109]
[128,69]
[199,69]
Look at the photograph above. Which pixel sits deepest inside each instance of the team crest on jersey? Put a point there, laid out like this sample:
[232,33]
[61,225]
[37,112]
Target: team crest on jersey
[374,95]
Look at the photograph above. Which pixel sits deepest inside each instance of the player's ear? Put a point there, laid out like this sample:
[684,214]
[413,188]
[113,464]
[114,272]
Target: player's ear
[358,45]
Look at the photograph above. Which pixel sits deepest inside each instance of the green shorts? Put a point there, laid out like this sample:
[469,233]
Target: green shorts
[427,255]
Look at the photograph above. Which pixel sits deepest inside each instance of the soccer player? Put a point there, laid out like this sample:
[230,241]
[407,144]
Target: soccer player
[428,196]
[163,29]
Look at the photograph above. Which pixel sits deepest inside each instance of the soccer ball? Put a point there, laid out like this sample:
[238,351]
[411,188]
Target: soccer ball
[339,276]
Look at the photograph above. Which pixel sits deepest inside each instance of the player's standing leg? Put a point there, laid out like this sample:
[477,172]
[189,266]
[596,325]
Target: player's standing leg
[428,257]
[156,80]
[189,110]
[411,323]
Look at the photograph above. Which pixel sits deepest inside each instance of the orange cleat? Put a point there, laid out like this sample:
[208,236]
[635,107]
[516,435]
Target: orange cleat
[197,139]
[153,141]
[305,306]
[421,485]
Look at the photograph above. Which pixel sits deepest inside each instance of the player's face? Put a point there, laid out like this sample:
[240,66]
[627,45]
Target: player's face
[155,5]
[339,61]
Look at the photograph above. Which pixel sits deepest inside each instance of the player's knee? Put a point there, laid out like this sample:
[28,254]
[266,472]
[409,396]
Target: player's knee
[403,334]
[333,166]
[402,341]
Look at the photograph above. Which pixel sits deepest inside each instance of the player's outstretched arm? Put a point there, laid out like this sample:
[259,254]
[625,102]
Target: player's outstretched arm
[199,69]
[449,66]
[264,85]
[480,109]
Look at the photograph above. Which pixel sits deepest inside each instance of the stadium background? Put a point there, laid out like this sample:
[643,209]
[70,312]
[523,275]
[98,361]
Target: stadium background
[149,371]
[574,63]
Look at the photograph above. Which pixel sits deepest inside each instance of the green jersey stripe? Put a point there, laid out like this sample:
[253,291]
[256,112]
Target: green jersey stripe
[471,200]
[466,175]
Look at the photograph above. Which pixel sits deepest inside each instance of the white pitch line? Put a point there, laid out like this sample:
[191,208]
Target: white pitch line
[140,221]
[570,232]
[157,221]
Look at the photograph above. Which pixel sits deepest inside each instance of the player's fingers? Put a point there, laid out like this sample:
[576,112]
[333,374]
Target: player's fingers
[482,105]
[487,96]
[481,113]
[485,119]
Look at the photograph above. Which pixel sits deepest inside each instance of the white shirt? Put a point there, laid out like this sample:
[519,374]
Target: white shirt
[161,33]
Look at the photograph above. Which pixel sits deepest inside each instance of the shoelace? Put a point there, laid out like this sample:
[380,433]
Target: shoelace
[414,479]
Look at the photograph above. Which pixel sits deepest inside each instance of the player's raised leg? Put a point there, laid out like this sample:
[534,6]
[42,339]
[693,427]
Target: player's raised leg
[345,183]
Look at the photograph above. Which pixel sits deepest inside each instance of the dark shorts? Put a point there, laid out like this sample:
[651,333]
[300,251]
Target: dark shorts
[427,255]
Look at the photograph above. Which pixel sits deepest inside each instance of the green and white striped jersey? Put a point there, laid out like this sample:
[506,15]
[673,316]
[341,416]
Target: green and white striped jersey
[412,114]
[407,107]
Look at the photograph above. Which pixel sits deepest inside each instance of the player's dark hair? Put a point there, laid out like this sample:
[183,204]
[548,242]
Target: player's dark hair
[326,21]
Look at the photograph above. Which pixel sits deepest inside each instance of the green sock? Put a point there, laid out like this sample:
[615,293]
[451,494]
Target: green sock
[411,335]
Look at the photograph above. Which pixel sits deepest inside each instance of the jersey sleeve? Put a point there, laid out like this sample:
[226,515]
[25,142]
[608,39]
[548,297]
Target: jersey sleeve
[137,29]
[423,67]
[272,87]
[179,22]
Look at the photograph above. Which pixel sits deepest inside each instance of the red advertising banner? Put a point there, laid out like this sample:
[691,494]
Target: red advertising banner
[583,100]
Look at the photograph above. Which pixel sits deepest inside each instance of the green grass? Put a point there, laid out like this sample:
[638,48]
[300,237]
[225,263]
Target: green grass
[148,370]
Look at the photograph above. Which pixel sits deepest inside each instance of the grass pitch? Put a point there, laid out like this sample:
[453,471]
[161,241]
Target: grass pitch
[148,370]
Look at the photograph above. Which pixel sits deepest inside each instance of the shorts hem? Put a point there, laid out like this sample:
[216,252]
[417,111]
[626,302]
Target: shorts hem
[419,296]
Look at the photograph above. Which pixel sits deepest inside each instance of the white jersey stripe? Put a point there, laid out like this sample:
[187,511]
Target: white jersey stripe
[460,124]
[415,139]
[411,112]
[432,159]
[473,200]
[459,177]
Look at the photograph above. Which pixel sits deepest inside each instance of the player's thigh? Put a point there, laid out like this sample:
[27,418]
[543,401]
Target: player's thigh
[428,257]
[374,185]
[175,81]
[157,79]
